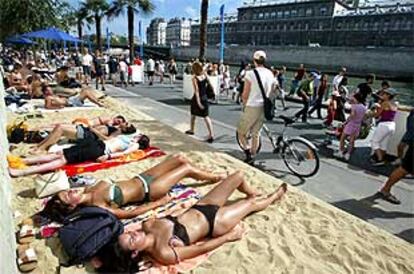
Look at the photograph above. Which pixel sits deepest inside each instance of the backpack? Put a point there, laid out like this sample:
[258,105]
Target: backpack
[86,231]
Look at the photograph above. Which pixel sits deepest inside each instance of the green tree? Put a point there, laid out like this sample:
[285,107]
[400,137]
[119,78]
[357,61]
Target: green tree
[96,10]
[20,16]
[132,7]
[203,29]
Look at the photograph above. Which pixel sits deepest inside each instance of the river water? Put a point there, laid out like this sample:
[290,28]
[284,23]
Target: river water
[405,89]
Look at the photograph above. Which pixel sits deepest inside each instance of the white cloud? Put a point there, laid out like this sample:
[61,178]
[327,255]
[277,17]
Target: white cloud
[191,12]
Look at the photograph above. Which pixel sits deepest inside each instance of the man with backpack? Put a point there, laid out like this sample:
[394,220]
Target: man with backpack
[258,84]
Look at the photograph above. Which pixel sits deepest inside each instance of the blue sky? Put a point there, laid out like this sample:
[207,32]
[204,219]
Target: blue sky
[167,9]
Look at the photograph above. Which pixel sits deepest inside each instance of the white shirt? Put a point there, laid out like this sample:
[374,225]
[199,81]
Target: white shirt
[268,80]
[123,66]
[336,81]
[151,65]
[87,60]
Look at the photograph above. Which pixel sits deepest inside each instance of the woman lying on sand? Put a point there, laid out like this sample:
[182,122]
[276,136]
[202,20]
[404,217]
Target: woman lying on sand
[149,187]
[87,150]
[172,239]
[81,132]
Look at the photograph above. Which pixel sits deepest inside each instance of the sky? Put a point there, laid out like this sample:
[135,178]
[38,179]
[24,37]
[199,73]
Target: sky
[167,9]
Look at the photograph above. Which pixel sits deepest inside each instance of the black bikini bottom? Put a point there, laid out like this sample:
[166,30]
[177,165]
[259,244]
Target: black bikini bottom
[209,211]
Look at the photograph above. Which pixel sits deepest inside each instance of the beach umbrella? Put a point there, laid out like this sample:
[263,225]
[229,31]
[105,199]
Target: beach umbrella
[19,40]
[52,34]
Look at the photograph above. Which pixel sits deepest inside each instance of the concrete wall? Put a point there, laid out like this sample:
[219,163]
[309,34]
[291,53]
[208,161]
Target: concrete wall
[393,63]
[7,238]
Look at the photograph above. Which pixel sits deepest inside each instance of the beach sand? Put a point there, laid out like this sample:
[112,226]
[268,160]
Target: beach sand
[301,234]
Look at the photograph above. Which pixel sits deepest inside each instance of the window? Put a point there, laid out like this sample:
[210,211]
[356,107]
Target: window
[365,26]
[266,16]
[323,11]
[301,12]
[292,26]
[339,25]
[397,24]
[280,14]
[273,15]
[309,12]
[261,15]
[294,13]
[376,25]
[287,13]
[320,26]
[254,16]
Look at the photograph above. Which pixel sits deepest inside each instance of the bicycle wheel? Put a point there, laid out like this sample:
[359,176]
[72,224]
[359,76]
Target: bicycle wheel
[301,157]
[249,138]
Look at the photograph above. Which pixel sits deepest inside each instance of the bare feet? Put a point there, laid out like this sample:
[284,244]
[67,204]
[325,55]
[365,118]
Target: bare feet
[15,172]
[278,194]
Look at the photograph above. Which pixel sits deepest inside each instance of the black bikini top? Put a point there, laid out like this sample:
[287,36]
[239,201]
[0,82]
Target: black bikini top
[111,129]
[179,230]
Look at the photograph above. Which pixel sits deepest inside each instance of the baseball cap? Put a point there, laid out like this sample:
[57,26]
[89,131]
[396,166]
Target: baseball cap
[259,54]
[314,74]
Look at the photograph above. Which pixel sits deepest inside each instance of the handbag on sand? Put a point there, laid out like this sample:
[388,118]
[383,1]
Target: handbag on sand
[51,183]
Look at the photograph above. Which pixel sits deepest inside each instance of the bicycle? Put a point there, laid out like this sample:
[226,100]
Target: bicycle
[294,151]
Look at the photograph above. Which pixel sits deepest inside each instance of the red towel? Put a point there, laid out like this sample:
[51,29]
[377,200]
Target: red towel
[73,169]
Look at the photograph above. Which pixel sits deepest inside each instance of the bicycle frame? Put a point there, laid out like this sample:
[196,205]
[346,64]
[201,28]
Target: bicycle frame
[275,139]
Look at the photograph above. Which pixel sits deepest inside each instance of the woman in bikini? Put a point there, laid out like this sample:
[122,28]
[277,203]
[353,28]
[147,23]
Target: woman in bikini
[53,101]
[87,150]
[149,187]
[172,239]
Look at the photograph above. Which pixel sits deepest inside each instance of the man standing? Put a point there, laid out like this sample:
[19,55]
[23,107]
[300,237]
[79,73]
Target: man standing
[99,69]
[87,60]
[113,69]
[252,118]
[305,92]
[337,79]
[365,89]
[151,70]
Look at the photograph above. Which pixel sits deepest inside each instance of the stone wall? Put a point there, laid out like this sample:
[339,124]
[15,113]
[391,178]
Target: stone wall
[7,242]
[390,63]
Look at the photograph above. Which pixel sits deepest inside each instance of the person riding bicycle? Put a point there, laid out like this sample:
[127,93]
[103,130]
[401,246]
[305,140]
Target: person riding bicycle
[252,118]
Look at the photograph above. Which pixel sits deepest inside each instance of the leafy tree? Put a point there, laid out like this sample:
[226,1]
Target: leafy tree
[96,10]
[203,28]
[132,7]
[20,16]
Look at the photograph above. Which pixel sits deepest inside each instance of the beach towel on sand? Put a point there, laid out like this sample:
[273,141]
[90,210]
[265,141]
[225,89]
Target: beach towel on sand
[74,169]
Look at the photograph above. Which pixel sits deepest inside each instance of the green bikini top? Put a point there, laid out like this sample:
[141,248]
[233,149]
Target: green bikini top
[115,194]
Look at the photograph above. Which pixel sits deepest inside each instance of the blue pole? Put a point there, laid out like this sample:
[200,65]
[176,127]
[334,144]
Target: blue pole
[141,48]
[64,45]
[222,33]
[108,40]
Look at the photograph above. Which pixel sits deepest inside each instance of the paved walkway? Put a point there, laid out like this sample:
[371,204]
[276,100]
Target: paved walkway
[338,183]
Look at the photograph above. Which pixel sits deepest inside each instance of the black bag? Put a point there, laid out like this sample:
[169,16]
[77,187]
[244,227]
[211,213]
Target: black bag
[269,106]
[209,90]
[86,231]
[17,135]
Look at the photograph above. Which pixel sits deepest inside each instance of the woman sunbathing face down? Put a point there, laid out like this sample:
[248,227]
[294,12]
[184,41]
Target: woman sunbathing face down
[148,189]
[170,240]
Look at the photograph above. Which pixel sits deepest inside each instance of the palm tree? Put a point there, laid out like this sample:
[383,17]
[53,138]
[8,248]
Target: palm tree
[132,7]
[96,10]
[203,29]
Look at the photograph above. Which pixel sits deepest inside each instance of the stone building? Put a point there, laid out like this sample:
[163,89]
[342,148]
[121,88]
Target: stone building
[178,32]
[323,22]
[157,32]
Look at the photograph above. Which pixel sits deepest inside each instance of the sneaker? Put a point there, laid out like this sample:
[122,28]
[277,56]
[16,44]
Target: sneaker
[210,140]
[376,162]
[189,132]
[339,154]
[388,197]
[397,162]
[249,161]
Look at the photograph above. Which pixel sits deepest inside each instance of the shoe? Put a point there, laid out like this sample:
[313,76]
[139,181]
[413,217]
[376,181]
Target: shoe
[397,162]
[103,89]
[189,132]
[249,161]
[388,197]
[210,140]
[347,156]
[375,162]
[339,154]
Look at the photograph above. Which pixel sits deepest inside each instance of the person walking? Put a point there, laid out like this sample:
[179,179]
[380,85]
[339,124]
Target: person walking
[99,70]
[151,70]
[172,70]
[305,91]
[281,80]
[123,72]
[87,61]
[299,75]
[199,102]
[252,118]
[320,95]
[113,69]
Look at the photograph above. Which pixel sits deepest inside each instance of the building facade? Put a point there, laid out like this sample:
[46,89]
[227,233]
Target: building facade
[157,32]
[178,32]
[323,22]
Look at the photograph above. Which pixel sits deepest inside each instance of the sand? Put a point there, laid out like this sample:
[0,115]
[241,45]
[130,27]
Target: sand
[301,234]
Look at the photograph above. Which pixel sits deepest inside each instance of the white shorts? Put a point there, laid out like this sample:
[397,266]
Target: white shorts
[382,135]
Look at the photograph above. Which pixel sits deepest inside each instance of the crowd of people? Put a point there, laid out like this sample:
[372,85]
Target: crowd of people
[171,239]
